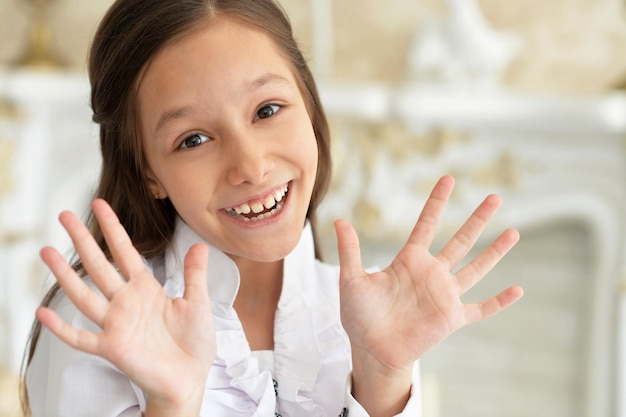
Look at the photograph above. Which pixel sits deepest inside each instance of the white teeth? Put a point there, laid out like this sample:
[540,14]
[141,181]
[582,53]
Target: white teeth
[270,203]
[279,194]
[257,207]
[263,216]
[242,209]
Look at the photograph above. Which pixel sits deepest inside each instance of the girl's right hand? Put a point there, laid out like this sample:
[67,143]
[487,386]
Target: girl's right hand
[165,346]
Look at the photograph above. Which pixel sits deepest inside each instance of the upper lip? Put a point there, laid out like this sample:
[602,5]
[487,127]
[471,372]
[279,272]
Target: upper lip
[258,198]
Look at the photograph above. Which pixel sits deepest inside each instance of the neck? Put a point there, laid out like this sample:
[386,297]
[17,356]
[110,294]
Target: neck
[257,300]
[259,279]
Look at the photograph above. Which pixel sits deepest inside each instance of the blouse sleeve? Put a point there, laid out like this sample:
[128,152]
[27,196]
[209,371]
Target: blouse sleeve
[62,381]
[413,407]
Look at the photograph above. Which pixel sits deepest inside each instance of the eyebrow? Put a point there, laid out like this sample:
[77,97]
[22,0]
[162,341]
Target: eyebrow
[172,115]
[267,79]
[262,81]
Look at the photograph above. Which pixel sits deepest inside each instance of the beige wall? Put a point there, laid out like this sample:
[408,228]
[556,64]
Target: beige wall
[568,45]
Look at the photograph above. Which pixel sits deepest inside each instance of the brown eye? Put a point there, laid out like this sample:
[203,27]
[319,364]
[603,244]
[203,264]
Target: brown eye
[194,140]
[267,111]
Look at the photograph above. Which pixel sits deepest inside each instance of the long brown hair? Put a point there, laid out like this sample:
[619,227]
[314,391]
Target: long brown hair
[129,36]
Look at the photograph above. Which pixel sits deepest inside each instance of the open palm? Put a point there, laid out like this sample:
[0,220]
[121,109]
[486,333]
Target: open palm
[147,335]
[398,314]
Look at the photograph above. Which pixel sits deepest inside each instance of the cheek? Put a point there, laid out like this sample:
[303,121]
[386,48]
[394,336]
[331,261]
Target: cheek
[307,146]
[314,149]
[308,154]
[314,156]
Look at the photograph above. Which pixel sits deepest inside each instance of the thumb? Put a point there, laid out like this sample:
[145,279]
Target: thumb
[196,271]
[349,251]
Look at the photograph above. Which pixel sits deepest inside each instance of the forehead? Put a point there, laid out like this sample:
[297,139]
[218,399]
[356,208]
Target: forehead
[218,45]
[219,62]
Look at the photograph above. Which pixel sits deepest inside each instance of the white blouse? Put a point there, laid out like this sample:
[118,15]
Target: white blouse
[307,374]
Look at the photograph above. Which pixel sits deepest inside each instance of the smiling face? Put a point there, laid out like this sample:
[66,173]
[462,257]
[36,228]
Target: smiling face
[228,139]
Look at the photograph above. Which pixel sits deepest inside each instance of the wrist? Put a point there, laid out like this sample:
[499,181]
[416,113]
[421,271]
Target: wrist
[366,364]
[381,390]
[187,406]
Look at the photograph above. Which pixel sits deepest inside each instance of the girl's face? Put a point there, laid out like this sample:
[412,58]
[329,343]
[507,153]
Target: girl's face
[228,139]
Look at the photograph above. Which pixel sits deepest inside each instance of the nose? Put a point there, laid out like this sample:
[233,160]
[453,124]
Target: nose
[249,159]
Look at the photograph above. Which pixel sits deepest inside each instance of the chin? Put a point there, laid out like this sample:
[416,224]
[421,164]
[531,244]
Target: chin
[277,253]
[269,250]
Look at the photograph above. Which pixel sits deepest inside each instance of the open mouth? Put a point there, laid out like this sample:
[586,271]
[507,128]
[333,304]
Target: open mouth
[259,210]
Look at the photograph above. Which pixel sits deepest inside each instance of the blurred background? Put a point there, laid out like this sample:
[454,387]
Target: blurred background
[524,98]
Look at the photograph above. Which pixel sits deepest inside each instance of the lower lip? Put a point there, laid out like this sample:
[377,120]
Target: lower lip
[266,220]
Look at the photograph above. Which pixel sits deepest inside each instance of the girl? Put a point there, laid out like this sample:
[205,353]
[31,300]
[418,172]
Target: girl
[202,292]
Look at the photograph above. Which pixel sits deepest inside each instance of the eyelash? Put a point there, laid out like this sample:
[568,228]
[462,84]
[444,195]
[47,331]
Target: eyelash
[274,108]
[183,144]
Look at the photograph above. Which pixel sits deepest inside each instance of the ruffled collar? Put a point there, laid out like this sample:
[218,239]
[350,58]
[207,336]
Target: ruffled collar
[223,278]
[302,314]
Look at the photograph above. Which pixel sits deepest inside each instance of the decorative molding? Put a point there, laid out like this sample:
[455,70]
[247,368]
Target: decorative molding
[462,50]
[39,52]
[7,151]
[9,110]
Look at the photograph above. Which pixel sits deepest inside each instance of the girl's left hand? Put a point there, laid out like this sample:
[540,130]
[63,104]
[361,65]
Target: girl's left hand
[395,316]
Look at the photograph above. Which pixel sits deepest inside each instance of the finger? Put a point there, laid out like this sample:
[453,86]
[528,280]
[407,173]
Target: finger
[463,241]
[91,304]
[474,271]
[122,249]
[196,271]
[349,251]
[99,268]
[492,306]
[424,231]
[78,339]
